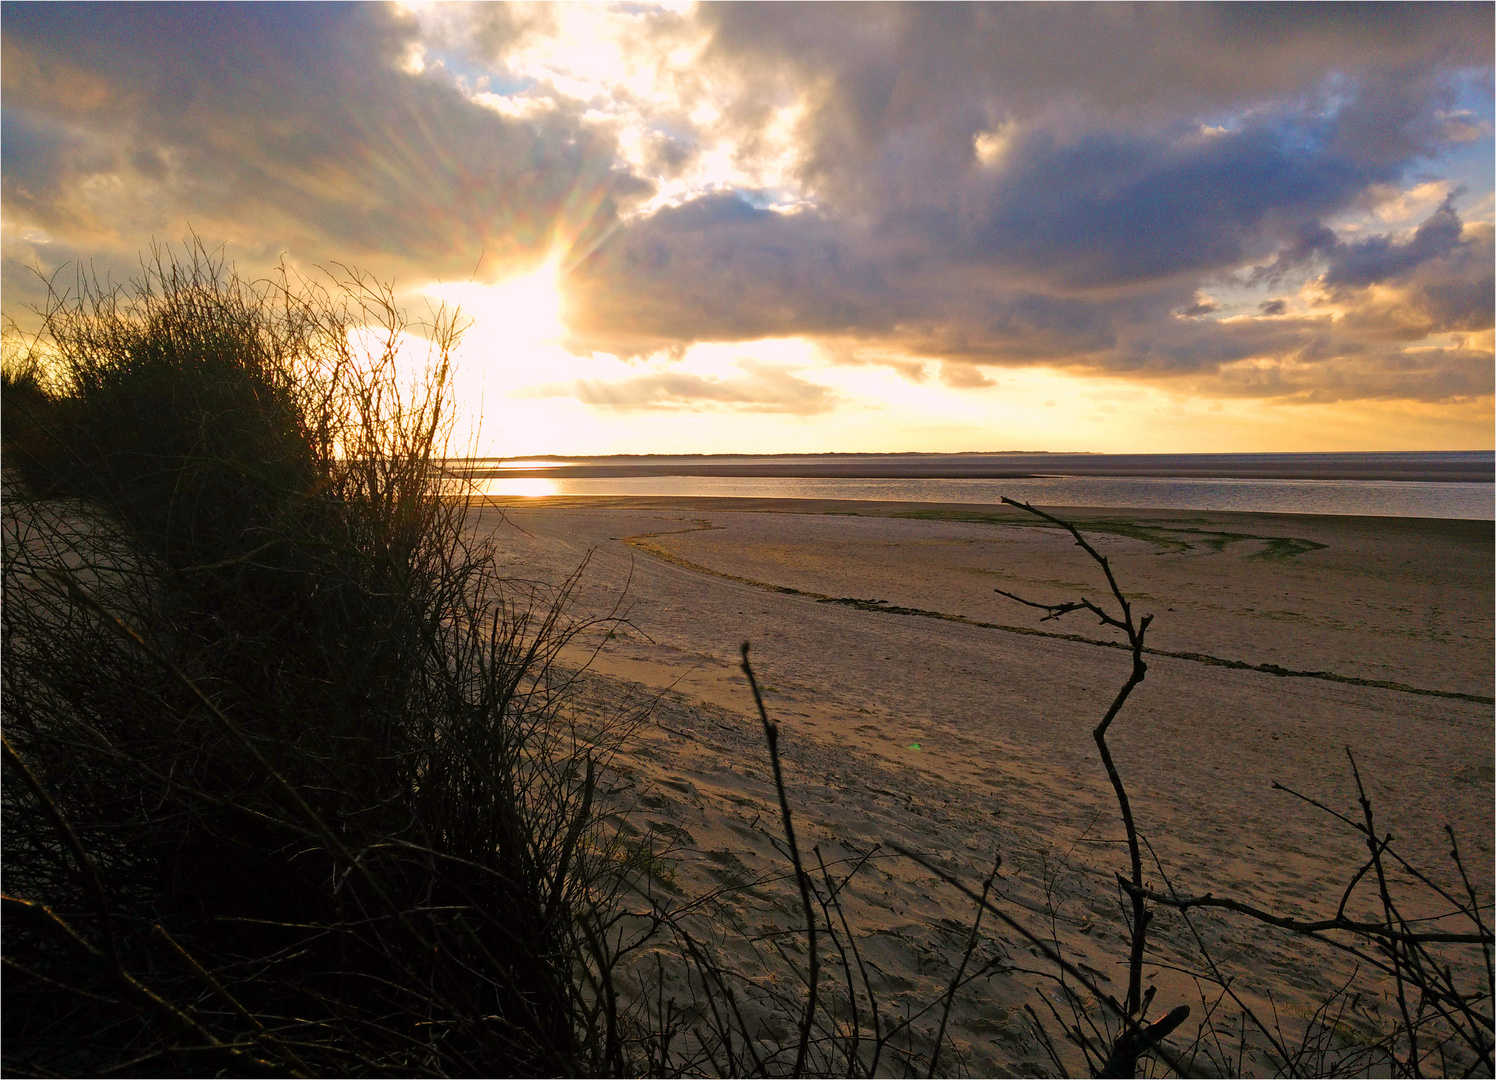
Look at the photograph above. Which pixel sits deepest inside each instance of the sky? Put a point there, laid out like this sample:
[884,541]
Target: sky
[793,228]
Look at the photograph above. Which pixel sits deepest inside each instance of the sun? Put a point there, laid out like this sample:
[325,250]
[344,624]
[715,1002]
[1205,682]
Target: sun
[526,308]
[523,312]
[512,337]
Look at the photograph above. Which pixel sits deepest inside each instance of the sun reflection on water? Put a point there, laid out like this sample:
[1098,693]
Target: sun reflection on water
[521,487]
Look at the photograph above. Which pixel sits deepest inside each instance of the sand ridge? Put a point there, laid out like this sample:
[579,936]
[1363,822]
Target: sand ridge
[1273,547]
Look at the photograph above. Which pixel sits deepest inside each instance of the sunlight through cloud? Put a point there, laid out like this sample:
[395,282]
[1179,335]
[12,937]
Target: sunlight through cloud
[523,310]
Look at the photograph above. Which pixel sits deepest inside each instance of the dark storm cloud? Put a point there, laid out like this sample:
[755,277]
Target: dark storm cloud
[1052,184]
[934,75]
[684,270]
[720,268]
[285,125]
[1109,210]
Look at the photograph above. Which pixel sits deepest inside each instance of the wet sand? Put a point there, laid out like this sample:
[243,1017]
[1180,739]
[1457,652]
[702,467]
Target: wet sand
[919,707]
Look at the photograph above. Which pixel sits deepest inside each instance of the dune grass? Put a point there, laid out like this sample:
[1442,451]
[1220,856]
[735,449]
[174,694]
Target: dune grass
[293,784]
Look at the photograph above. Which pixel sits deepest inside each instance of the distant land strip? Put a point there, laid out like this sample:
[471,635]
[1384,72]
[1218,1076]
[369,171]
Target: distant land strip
[1462,466]
[641,542]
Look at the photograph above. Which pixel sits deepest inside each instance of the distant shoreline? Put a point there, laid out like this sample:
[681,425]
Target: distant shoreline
[1436,466]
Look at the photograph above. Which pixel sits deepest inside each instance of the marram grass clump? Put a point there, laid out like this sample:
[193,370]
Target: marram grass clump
[293,784]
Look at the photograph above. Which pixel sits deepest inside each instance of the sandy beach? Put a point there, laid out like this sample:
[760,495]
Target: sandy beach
[919,707]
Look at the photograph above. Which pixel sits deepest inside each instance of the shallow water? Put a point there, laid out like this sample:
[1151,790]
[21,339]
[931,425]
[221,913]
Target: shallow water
[1372,498]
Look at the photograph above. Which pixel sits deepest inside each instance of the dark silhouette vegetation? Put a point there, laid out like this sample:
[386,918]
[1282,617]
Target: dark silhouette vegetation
[297,783]
[292,782]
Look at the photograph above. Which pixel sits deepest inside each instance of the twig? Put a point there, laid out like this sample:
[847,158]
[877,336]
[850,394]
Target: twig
[1381,930]
[1135,634]
[261,1034]
[771,734]
[971,945]
[1039,943]
[86,865]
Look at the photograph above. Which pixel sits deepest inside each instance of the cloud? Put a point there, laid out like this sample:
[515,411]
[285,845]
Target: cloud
[283,127]
[1378,258]
[963,376]
[1111,210]
[1439,282]
[1019,185]
[914,84]
[1201,306]
[763,388]
[1133,190]
[1433,375]
[718,268]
